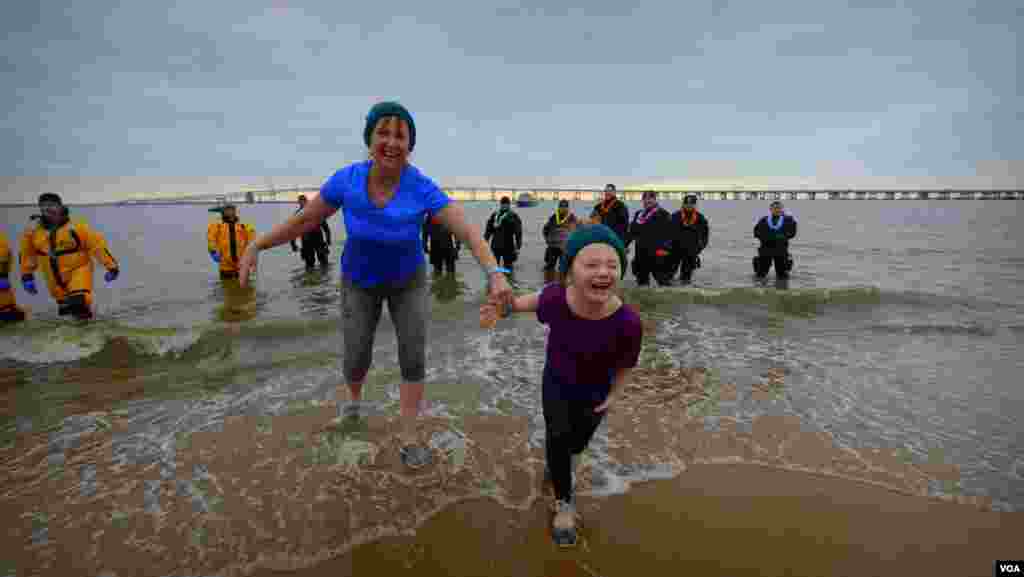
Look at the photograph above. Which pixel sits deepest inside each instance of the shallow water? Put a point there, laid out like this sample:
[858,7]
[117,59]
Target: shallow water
[900,328]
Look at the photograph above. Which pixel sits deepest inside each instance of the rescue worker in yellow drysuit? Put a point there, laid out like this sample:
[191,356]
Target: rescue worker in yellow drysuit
[226,241]
[65,249]
[9,309]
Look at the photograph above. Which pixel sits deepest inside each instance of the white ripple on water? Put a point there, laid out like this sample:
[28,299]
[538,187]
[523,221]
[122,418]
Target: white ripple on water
[68,342]
[1017,470]
[851,393]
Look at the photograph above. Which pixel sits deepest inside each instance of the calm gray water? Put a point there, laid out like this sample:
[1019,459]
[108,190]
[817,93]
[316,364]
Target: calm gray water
[901,327]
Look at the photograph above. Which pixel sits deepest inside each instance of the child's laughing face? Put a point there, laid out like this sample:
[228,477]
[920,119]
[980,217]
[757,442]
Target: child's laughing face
[594,272]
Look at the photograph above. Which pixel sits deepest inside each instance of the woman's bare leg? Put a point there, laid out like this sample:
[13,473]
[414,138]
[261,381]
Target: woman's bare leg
[410,399]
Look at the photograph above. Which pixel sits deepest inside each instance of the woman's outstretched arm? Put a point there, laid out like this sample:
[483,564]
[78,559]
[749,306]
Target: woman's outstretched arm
[307,220]
[453,217]
[491,312]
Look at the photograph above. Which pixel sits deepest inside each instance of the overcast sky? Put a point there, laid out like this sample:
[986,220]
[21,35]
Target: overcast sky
[584,90]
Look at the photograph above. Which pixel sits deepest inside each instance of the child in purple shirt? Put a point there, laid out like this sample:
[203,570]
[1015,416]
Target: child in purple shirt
[593,343]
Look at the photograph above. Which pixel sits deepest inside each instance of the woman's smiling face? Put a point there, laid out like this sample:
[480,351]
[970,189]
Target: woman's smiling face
[389,143]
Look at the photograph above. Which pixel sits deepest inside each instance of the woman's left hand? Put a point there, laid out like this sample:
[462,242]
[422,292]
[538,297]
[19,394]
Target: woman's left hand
[604,406]
[499,291]
[489,315]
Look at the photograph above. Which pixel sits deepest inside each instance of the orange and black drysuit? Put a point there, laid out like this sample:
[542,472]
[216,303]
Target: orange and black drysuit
[228,239]
[9,309]
[690,237]
[66,250]
[613,214]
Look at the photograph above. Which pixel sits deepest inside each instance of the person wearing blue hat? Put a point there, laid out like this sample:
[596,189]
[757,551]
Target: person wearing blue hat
[384,201]
[593,344]
[774,231]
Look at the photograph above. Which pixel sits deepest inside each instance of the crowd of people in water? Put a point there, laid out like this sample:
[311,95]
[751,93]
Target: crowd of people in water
[665,244]
[394,215]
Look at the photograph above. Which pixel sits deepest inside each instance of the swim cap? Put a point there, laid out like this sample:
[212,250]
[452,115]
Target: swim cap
[49,197]
[384,109]
[563,202]
[690,199]
[589,234]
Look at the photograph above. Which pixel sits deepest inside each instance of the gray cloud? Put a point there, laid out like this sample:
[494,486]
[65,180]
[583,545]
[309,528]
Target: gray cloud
[514,89]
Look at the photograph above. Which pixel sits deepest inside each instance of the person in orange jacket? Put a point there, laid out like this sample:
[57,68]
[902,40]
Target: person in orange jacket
[226,241]
[67,249]
[9,309]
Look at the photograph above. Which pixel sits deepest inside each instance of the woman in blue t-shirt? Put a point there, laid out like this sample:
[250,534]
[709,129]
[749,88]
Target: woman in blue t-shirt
[384,201]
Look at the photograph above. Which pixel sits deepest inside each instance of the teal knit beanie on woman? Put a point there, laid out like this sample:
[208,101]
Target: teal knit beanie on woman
[384,109]
[589,234]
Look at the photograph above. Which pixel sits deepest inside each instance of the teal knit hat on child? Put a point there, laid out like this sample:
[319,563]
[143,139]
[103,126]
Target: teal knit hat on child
[384,109]
[589,234]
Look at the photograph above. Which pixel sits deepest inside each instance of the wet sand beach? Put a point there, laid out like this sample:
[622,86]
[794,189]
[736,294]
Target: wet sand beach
[712,520]
[301,493]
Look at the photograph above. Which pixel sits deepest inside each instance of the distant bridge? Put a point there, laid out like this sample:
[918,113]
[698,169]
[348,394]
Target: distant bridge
[493,194]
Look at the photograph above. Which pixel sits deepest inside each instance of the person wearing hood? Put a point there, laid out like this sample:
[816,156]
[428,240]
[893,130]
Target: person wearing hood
[774,231]
[651,230]
[690,230]
[441,244]
[227,239]
[315,243]
[611,212]
[556,231]
[9,309]
[505,232]
[67,250]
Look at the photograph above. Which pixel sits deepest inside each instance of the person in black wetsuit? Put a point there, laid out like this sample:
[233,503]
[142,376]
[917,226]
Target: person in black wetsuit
[690,230]
[612,213]
[556,233]
[774,231]
[442,246]
[316,243]
[505,233]
[651,230]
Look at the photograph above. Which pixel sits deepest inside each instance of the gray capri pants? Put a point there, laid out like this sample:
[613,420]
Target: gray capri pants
[360,314]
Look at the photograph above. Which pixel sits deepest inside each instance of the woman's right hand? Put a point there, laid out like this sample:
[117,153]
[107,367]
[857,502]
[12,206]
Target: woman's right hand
[247,264]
